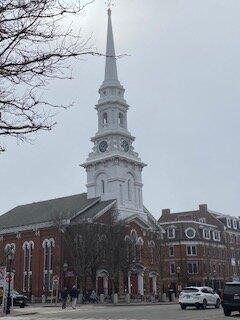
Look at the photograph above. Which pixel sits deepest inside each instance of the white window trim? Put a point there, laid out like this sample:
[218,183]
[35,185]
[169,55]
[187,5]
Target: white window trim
[194,231]
[173,232]
[235,224]
[204,236]
[192,263]
[229,224]
[219,234]
[191,254]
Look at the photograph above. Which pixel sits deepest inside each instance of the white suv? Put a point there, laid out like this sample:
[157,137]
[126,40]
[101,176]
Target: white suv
[200,297]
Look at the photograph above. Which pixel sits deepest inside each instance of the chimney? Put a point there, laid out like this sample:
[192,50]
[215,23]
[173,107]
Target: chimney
[166,212]
[203,208]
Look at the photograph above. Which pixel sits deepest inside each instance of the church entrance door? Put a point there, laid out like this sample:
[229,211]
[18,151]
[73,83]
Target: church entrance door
[134,283]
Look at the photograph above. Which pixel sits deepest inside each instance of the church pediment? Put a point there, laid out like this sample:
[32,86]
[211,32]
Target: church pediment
[138,220]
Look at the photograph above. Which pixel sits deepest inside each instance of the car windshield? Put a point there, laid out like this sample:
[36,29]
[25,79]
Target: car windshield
[232,289]
[15,292]
[189,290]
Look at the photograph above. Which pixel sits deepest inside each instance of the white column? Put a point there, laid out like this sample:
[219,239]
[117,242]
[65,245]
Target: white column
[154,282]
[140,283]
[105,285]
[129,282]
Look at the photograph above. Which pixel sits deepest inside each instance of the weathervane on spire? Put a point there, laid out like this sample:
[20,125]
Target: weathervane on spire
[109,4]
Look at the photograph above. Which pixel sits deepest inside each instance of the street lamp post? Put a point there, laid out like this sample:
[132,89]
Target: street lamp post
[178,276]
[214,279]
[9,252]
[65,267]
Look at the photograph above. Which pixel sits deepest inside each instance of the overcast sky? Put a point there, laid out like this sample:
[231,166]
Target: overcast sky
[182,83]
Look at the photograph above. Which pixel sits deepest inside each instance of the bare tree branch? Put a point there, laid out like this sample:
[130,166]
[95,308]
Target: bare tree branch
[34,49]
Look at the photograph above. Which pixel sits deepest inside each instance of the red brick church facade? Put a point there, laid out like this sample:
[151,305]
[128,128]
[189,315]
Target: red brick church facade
[40,251]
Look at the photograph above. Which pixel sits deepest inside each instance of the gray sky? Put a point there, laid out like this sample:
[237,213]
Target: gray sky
[182,83]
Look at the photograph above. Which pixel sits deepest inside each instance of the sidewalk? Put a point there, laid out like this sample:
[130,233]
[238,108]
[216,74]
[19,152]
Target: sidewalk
[40,308]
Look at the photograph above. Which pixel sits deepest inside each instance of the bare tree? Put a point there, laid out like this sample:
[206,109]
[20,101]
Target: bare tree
[34,48]
[118,257]
[85,248]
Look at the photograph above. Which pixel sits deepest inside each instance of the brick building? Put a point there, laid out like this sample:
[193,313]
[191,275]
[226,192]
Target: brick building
[40,252]
[200,247]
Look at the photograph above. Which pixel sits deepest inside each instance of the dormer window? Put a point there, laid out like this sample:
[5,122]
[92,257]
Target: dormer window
[105,119]
[206,234]
[171,233]
[234,224]
[229,225]
[216,235]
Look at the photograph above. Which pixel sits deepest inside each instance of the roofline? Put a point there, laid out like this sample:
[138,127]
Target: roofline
[35,226]
[87,207]
[137,217]
[188,221]
[100,213]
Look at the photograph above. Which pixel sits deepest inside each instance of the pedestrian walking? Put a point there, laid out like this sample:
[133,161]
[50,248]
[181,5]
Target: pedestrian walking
[64,296]
[74,295]
[94,297]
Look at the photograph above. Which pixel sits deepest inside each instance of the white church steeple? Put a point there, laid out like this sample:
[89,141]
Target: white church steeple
[114,169]
[111,75]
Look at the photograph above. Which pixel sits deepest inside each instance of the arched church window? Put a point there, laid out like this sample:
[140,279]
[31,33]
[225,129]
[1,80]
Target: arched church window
[48,245]
[103,186]
[105,118]
[129,190]
[120,119]
[27,266]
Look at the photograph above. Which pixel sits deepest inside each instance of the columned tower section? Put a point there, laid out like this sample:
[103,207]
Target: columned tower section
[114,169]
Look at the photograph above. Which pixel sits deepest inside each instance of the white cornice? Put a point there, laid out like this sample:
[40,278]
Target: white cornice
[188,221]
[112,157]
[111,100]
[114,132]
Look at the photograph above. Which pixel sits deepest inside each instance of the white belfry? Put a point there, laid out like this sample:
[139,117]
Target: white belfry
[114,170]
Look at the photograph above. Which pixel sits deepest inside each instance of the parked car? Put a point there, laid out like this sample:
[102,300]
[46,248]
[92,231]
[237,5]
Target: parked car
[231,298]
[199,297]
[19,299]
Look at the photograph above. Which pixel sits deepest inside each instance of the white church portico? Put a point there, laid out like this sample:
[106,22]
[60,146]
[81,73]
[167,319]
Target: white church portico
[114,169]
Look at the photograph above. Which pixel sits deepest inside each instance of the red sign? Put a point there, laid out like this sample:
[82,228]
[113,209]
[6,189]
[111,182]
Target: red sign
[8,278]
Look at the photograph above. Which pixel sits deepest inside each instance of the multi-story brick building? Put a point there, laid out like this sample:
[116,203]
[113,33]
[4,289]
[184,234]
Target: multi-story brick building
[200,247]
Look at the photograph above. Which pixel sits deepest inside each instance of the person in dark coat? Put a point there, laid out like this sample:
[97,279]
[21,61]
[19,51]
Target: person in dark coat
[74,295]
[64,296]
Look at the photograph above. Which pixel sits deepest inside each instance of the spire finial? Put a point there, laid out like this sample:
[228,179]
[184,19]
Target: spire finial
[109,4]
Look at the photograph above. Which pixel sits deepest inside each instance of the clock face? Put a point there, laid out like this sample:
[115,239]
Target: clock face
[125,145]
[103,146]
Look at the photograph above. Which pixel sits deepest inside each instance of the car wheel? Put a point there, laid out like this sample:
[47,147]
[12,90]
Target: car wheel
[22,305]
[204,304]
[218,303]
[183,307]
[227,312]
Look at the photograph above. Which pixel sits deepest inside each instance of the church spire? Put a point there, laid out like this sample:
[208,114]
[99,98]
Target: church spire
[111,75]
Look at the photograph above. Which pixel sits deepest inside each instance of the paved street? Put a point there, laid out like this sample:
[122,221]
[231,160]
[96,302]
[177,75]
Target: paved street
[153,312]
